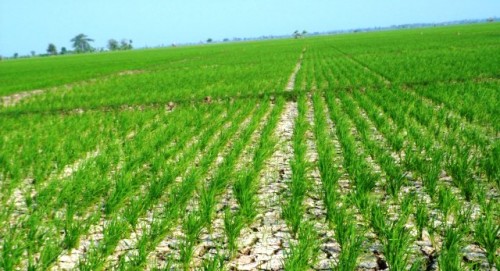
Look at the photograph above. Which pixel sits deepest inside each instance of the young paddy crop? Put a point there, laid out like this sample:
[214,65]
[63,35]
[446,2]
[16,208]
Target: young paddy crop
[373,151]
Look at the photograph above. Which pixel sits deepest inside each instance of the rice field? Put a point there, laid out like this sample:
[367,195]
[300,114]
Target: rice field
[365,151]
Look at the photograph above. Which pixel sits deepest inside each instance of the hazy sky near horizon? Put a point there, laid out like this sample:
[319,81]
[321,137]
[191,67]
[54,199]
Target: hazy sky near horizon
[27,25]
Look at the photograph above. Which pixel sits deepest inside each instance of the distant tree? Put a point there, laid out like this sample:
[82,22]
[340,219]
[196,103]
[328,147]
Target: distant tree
[52,50]
[81,43]
[113,45]
[296,34]
[33,53]
[63,50]
[209,40]
[16,55]
[126,44]
[490,20]
[304,32]
[225,40]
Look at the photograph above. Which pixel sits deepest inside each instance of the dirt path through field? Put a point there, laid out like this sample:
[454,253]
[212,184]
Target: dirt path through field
[290,86]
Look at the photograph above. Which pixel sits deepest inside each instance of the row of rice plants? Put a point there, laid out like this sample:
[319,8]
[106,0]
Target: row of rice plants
[39,153]
[231,71]
[335,70]
[447,203]
[83,192]
[245,186]
[48,201]
[394,173]
[390,229]
[161,175]
[487,145]
[202,217]
[349,234]
[181,194]
[459,97]
[118,226]
[464,154]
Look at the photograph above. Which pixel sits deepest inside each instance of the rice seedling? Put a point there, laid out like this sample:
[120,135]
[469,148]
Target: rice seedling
[12,249]
[232,227]
[421,217]
[486,232]
[216,263]
[303,254]
[450,256]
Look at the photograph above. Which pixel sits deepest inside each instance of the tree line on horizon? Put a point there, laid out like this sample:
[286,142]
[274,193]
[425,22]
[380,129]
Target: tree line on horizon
[81,44]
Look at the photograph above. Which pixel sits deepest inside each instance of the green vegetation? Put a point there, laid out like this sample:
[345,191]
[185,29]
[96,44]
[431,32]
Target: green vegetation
[158,159]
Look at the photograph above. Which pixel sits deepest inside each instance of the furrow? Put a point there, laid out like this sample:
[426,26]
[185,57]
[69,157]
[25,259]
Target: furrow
[263,244]
[211,243]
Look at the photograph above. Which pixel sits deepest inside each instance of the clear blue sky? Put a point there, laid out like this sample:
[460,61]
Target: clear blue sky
[27,25]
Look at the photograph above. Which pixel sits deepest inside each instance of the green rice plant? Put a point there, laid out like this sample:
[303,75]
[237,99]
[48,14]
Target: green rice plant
[344,228]
[395,181]
[91,261]
[349,238]
[490,163]
[446,202]
[293,210]
[186,250]
[208,202]
[432,170]
[132,213]
[216,263]
[330,195]
[192,226]
[487,232]
[303,254]
[34,235]
[112,234]
[348,258]
[11,251]
[244,191]
[421,217]
[136,260]
[379,220]
[72,229]
[232,227]
[397,244]
[292,213]
[122,187]
[450,257]
[168,265]
[48,254]
[407,203]
[459,166]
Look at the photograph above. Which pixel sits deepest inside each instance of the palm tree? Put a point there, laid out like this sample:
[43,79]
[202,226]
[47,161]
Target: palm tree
[81,43]
[296,34]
